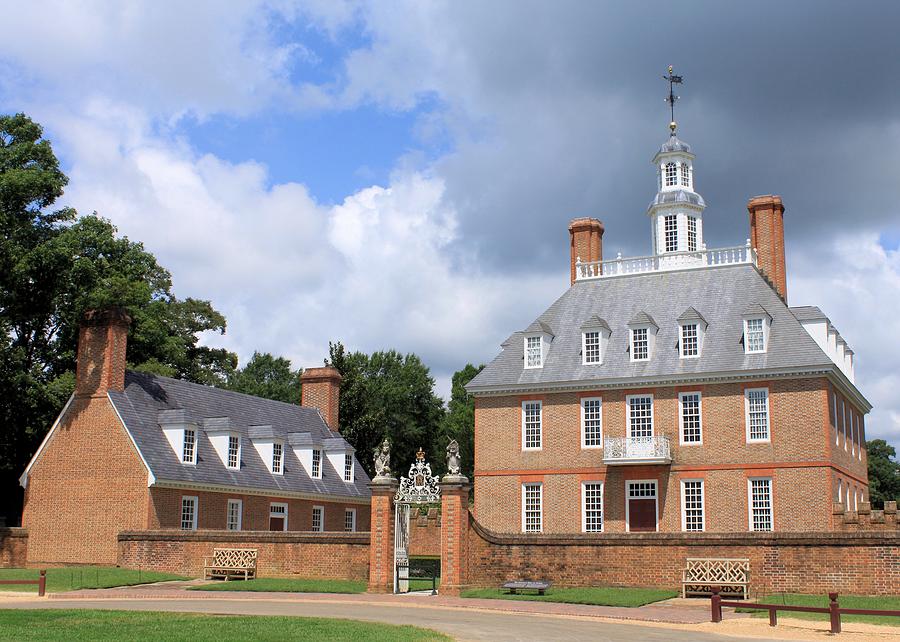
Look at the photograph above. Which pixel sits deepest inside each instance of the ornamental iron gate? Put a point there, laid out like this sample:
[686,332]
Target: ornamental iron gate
[418,487]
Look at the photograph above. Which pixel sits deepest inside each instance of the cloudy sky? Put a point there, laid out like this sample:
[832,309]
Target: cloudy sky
[400,175]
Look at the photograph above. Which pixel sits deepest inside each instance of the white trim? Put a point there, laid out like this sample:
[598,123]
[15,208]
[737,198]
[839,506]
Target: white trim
[321,510]
[768,438]
[584,485]
[647,328]
[278,515]
[702,505]
[23,478]
[628,399]
[540,404]
[628,484]
[698,325]
[750,481]
[240,513]
[540,338]
[262,492]
[540,485]
[280,470]
[765,321]
[353,512]
[681,395]
[195,515]
[584,446]
[599,333]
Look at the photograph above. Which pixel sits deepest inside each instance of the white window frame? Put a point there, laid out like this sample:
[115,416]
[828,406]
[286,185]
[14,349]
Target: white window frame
[750,481]
[584,444]
[768,437]
[684,175]
[237,457]
[698,334]
[837,433]
[195,502]
[279,514]
[184,446]
[683,485]
[348,468]
[633,351]
[279,470]
[628,426]
[240,514]
[691,235]
[584,508]
[540,352]
[765,335]
[840,493]
[540,425]
[670,179]
[351,514]
[681,396]
[315,466]
[628,485]
[321,528]
[844,420]
[670,233]
[540,511]
[584,350]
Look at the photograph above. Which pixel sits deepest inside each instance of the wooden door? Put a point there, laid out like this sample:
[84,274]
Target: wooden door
[276,523]
[642,512]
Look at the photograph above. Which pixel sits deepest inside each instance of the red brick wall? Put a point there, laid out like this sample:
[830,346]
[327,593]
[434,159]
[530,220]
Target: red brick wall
[855,563]
[425,534]
[165,511]
[13,547]
[87,485]
[317,555]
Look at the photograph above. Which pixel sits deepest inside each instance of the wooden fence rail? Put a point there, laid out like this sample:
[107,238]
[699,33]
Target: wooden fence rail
[41,583]
[833,609]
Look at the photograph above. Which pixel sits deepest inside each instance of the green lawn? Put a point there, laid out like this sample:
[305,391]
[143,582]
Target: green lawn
[881,602]
[86,625]
[77,577]
[422,584]
[598,595]
[286,585]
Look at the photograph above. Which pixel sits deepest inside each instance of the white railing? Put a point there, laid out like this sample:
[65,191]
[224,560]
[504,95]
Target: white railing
[665,262]
[634,450]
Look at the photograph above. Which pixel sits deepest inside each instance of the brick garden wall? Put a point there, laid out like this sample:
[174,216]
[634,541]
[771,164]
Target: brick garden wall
[13,547]
[285,554]
[425,534]
[865,562]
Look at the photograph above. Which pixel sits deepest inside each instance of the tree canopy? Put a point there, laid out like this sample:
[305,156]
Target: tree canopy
[459,421]
[269,377]
[884,472]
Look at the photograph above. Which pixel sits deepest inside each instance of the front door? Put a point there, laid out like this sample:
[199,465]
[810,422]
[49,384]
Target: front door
[641,510]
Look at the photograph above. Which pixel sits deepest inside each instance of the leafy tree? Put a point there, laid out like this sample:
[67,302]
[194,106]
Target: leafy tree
[386,394]
[459,421]
[269,377]
[53,267]
[884,473]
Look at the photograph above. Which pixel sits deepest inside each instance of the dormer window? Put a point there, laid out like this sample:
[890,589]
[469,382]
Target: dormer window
[316,463]
[685,175]
[690,344]
[234,451]
[348,467]
[640,344]
[671,174]
[591,346]
[277,458]
[189,447]
[757,323]
[534,352]
[594,337]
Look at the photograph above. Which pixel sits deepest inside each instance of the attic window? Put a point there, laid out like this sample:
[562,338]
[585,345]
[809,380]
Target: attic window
[534,352]
[690,345]
[317,463]
[640,344]
[189,447]
[348,467]
[754,335]
[277,458]
[234,451]
[591,346]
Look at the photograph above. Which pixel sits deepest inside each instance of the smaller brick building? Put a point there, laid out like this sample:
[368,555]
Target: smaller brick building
[134,451]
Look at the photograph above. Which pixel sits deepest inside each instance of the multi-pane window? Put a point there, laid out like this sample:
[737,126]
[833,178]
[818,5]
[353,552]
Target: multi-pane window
[592,497]
[844,421]
[692,518]
[350,520]
[837,434]
[670,224]
[531,508]
[277,458]
[348,467]
[754,336]
[533,352]
[189,449]
[317,463]
[671,174]
[233,515]
[318,518]
[757,400]
[690,340]
[591,346]
[691,431]
[691,234]
[685,175]
[640,416]
[188,513]
[234,451]
[592,422]
[640,344]
[760,496]
[531,424]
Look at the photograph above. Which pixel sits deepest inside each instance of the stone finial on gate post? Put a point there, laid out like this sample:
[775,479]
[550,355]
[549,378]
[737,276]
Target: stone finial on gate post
[455,489]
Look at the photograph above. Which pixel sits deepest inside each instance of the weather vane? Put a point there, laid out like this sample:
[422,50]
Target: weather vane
[673,80]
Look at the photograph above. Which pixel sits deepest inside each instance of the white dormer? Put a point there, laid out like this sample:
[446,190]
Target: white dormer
[269,446]
[339,453]
[691,331]
[757,326]
[595,333]
[181,433]
[536,344]
[819,327]
[642,330]
[309,451]
[225,440]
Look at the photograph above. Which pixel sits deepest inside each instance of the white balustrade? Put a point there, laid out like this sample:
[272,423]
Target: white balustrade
[665,262]
[637,450]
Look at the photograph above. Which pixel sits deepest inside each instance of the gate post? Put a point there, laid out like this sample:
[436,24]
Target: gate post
[381,543]
[454,532]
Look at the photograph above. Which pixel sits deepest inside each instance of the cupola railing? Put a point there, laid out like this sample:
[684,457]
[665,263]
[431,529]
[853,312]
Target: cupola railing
[669,261]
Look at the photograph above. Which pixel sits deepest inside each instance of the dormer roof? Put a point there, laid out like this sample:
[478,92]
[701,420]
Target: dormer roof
[755,310]
[595,323]
[691,314]
[539,326]
[642,318]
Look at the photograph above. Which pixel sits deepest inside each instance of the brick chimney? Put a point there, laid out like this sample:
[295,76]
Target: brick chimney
[585,242]
[767,236]
[321,389]
[102,340]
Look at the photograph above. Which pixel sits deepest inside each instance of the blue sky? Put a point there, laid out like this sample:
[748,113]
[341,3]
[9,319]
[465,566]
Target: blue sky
[400,175]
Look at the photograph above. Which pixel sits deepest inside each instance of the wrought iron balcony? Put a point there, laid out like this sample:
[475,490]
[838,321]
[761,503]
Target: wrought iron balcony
[670,261]
[623,451]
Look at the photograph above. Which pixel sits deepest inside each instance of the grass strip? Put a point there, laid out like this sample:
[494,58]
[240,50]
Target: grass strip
[80,577]
[286,585]
[596,595]
[879,602]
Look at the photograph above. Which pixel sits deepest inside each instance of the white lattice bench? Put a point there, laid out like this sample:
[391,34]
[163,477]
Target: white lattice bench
[701,574]
[231,562]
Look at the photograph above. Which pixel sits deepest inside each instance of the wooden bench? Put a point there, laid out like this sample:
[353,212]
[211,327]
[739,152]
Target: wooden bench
[231,562]
[731,574]
[522,585]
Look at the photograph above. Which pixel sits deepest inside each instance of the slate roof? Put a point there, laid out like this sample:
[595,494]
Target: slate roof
[674,144]
[145,395]
[692,315]
[720,295]
[677,196]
